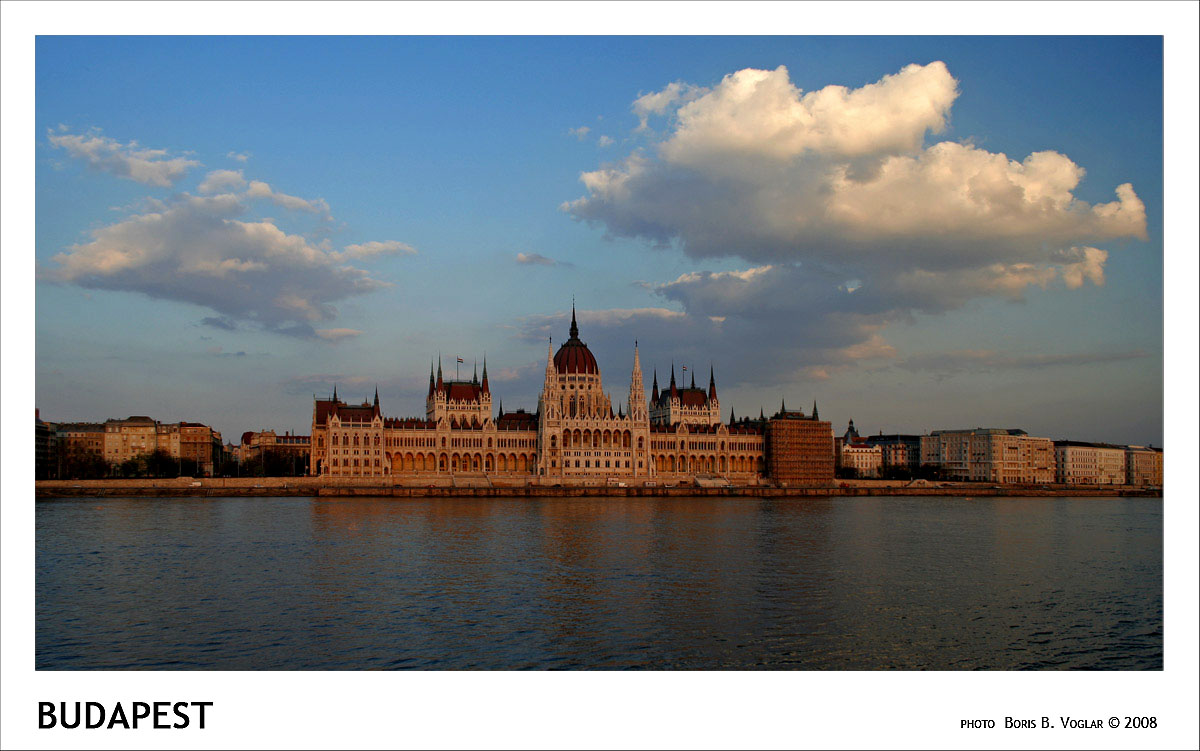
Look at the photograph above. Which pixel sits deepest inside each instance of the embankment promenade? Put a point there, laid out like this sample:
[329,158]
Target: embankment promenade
[480,487]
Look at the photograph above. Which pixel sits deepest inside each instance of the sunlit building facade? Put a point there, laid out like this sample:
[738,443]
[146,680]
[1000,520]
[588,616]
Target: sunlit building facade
[575,436]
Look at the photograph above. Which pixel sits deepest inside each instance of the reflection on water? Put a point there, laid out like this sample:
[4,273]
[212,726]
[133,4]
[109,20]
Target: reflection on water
[852,583]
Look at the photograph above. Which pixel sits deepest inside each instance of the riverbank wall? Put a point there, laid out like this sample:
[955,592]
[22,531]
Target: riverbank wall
[282,487]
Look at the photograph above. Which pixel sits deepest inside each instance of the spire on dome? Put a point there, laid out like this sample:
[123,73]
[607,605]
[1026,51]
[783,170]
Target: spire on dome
[574,326]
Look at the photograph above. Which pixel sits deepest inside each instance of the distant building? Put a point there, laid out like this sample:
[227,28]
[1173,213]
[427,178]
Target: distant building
[900,452]
[1143,466]
[139,435]
[864,458]
[45,458]
[286,447]
[1081,463]
[990,455]
[799,449]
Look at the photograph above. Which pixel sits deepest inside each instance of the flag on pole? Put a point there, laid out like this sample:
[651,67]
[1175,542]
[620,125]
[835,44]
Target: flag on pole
[684,368]
[459,359]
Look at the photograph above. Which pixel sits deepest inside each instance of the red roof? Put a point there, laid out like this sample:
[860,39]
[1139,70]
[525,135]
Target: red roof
[324,408]
[462,391]
[693,398]
[517,421]
[575,357]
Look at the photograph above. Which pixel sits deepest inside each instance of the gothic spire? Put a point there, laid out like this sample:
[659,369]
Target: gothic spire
[654,392]
[335,393]
[377,397]
[712,383]
[732,419]
[814,416]
[431,377]
[574,326]
[439,378]
[486,389]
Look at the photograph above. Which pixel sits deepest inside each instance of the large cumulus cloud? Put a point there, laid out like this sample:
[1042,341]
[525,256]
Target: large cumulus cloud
[846,218]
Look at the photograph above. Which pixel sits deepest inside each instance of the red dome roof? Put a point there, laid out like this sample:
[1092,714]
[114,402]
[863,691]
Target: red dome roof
[574,356]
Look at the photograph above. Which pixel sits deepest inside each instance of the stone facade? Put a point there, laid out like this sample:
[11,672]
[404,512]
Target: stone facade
[864,458]
[1143,466]
[1080,463]
[990,455]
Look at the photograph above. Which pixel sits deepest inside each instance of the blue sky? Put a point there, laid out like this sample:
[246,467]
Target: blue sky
[709,234]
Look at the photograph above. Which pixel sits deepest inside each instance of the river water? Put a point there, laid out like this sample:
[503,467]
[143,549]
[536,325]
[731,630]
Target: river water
[383,583]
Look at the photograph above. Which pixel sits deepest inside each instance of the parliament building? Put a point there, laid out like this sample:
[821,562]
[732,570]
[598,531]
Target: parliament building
[574,437]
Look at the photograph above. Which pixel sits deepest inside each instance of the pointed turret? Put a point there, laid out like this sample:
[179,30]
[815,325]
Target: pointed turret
[712,383]
[486,390]
[654,391]
[376,404]
[637,392]
[761,416]
[674,389]
[475,373]
[814,416]
[440,383]
[574,326]
[335,393]
[501,413]
[693,378]
[782,406]
[431,378]
[732,419]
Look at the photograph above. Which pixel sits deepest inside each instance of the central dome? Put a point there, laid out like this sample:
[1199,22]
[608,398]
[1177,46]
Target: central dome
[574,356]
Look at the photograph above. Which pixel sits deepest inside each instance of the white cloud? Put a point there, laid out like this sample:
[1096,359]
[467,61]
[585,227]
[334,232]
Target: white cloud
[335,335]
[198,250]
[658,102]
[130,161]
[222,181]
[537,259]
[240,157]
[259,189]
[604,141]
[755,114]
[832,191]
[580,132]
[376,248]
